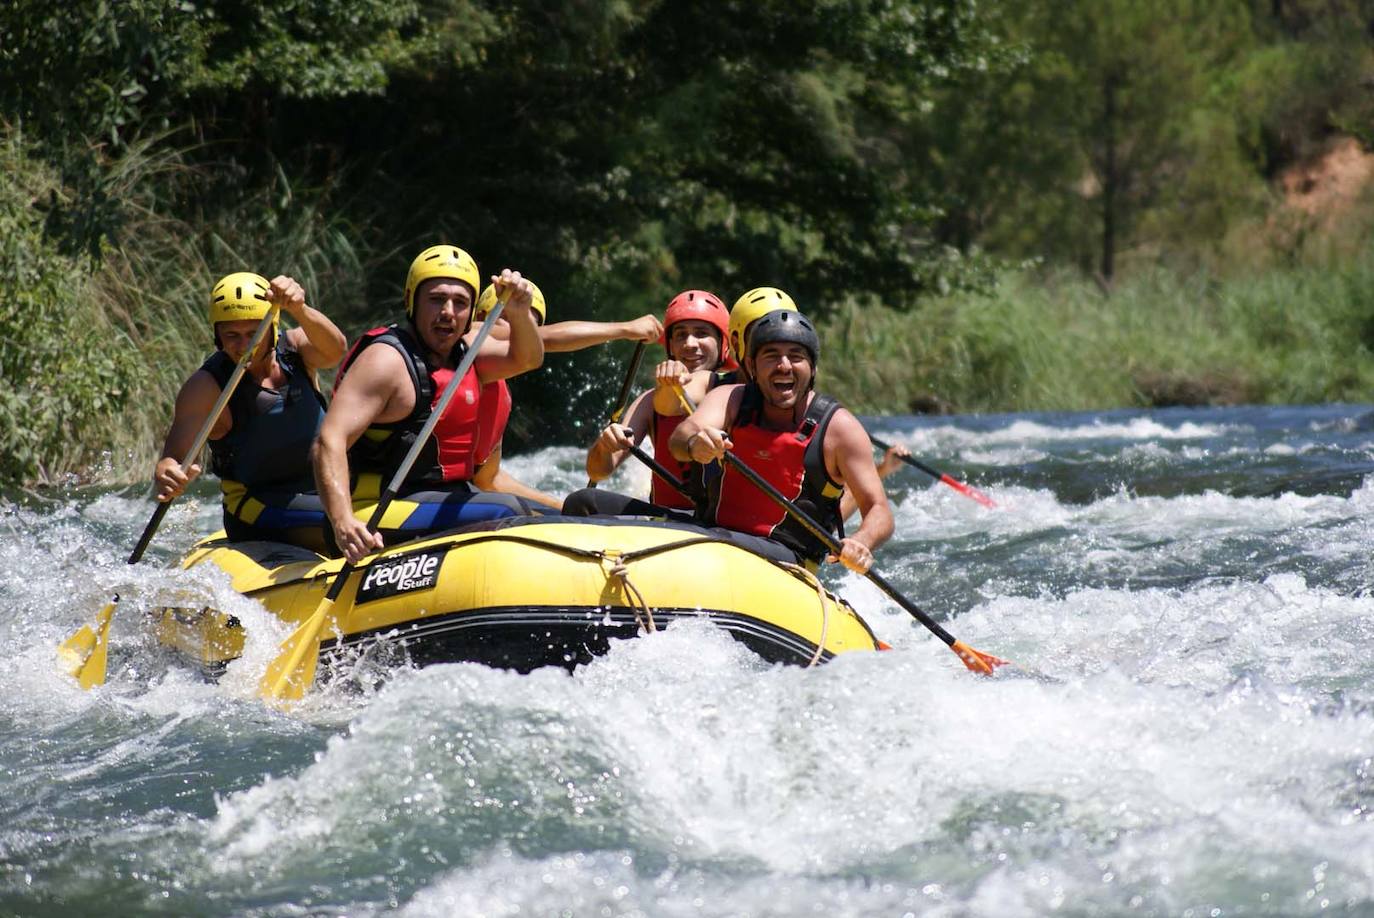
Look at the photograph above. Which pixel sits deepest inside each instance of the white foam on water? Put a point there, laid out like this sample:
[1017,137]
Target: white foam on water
[941,513]
[611,883]
[1002,455]
[1186,738]
[1196,748]
[946,438]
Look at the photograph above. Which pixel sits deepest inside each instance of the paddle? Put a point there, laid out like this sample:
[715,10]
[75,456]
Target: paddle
[658,469]
[293,669]
[624,400]
[966,490]
[975,660]
[83,654]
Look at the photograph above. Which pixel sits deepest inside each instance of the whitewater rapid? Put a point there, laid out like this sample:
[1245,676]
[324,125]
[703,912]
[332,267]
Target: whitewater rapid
[1188,728]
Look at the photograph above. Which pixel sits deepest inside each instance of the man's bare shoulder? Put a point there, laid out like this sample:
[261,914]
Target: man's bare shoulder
[376,364]
[845,432]
[198,386]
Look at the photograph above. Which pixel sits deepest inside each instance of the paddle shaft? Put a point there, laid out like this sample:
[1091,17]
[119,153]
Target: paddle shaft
[967,490]
[657,468]
[204,434]
[834,546]
[623,400]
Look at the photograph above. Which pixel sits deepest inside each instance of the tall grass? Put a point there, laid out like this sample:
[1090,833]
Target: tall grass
[1057,342]
[93,352]
[133,324]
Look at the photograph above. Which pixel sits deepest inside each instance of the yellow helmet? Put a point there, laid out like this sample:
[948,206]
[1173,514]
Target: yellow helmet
[239,296]
[488,300]
[440,261]
[751,307]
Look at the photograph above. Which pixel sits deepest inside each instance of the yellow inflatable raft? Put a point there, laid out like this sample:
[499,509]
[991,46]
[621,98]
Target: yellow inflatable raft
[522,593]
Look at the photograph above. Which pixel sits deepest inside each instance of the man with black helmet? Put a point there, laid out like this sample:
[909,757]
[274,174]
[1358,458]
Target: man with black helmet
[805,444]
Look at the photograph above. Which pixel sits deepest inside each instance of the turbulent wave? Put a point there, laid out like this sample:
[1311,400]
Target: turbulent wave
[1187,729]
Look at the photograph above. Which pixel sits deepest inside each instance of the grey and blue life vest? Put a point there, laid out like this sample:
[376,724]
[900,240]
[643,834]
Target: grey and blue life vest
[268,446]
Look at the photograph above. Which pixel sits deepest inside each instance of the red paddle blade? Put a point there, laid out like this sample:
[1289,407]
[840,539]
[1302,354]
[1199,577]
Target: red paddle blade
[976,660]
[968,491]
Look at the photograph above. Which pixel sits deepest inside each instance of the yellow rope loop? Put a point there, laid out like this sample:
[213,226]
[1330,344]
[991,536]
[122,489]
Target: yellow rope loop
[682,398]
[617,569]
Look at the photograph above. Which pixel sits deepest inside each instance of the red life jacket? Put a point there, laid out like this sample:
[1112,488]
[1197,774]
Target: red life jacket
[793,461]
[493,414]
[662,493]
[697,478]
[450,453]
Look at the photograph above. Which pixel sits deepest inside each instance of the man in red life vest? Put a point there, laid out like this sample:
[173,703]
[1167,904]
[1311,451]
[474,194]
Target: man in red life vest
[560,337]
[695,327]
[803,443]
[384,395]
[753,305]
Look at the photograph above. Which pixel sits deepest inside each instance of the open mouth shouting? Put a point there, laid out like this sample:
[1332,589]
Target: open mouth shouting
[784,386]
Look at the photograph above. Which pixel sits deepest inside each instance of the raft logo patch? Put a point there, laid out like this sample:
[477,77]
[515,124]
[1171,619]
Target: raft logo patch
[403,574]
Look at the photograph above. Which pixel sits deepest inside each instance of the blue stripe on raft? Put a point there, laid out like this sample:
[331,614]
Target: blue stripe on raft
[456,510]
[287,518]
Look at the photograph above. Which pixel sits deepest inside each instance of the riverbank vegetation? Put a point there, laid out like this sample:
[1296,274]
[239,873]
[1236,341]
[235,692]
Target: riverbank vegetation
[1026,205]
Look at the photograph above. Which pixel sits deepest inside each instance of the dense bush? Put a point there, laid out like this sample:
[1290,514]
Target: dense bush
[854,152]
[1286,335]
[67,368]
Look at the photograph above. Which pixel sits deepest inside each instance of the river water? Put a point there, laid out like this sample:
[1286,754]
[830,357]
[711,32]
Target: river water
[1188,730]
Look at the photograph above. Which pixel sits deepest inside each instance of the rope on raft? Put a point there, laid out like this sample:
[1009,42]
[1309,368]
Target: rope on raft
[617,564]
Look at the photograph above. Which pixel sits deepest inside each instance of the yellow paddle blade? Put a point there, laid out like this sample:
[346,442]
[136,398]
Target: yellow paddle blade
[293,670]
[83,655]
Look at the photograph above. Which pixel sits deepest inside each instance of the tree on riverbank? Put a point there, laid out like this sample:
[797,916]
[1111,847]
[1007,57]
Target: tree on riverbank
[852,151]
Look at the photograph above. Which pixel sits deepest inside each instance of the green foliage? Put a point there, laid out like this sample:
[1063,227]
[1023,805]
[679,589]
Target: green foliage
[883,156]
[67,371]
[1056,343]
[325,49]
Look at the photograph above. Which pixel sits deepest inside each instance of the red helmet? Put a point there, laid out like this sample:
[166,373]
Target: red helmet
[703,306]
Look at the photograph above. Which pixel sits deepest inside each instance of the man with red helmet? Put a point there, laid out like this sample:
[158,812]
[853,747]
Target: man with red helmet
[696,324]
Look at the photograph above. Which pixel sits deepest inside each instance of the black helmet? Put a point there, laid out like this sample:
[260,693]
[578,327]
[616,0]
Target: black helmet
[788,326]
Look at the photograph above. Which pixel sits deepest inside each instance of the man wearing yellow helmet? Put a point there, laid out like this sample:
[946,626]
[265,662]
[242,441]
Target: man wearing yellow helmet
[259,446]
[560,337]
[384,394]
